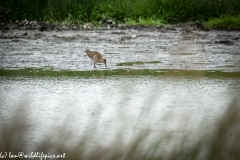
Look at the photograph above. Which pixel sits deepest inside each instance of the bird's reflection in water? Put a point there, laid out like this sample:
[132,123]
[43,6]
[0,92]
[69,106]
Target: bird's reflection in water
[96,74]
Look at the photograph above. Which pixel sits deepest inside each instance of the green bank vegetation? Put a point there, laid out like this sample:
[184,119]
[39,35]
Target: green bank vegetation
[225,22]
[145,12]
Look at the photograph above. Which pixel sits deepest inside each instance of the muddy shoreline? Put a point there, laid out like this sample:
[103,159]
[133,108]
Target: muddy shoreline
[46,26]
[187,46]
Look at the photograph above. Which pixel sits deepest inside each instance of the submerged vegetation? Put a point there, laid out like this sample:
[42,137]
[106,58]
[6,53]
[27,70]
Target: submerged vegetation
[46,72]
[145,12]
[136,63]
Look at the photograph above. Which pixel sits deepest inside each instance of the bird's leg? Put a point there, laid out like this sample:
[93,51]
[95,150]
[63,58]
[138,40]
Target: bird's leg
[94,66]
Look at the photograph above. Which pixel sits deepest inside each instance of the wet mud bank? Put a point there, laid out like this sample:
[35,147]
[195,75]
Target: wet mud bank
[176,47]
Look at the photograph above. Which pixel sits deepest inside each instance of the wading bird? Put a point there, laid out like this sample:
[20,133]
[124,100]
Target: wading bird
[96,57]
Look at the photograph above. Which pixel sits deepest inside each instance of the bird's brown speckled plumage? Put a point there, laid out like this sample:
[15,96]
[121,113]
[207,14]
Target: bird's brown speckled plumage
[96,57]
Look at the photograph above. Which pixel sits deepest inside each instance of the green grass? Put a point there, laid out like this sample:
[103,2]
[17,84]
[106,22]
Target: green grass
[225,22]
[135,12]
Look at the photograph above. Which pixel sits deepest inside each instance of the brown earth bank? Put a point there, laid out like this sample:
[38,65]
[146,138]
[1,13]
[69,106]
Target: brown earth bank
[46,26]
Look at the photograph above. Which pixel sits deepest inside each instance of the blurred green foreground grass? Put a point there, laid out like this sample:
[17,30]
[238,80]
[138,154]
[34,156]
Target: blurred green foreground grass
[223,144]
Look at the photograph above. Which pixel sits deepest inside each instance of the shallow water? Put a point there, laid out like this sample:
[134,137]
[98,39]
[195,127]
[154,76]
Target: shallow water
[109,105]
[172,81]
[168,49]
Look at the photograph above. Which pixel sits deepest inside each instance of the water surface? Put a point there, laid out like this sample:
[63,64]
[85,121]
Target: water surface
[109,104]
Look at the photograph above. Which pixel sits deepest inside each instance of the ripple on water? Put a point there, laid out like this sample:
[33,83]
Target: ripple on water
[115,102]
